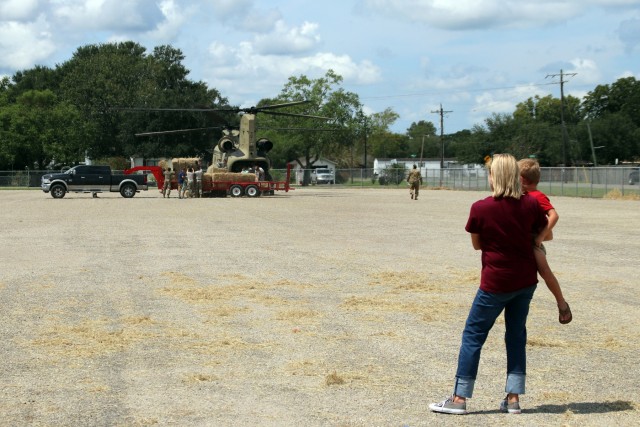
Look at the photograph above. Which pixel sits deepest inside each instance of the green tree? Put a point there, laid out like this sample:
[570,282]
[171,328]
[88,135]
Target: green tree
[102,80]
[613,112]
[329,138]
[615,133]
[38,130]
[419,133]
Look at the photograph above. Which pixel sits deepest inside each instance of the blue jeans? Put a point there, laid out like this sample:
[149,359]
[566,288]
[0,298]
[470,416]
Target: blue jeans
[484,311]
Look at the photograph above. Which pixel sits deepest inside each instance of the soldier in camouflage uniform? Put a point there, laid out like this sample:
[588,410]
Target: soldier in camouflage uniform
[414,179]
[166,188]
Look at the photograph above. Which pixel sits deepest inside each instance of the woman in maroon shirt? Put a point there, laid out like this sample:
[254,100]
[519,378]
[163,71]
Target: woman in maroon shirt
[501,227]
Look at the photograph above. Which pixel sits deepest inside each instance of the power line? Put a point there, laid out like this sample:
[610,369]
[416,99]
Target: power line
[407,95]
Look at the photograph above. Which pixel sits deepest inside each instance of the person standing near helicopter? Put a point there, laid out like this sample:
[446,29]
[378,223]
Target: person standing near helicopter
[190,184]
[259,172]
[197,176]
[166,188]
[182,182]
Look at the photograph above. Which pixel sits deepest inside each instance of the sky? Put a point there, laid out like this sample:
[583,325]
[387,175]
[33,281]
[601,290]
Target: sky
[468,58]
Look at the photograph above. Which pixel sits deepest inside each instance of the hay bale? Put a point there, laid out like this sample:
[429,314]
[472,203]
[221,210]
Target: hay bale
[234,177]
[212,169]
[185,162]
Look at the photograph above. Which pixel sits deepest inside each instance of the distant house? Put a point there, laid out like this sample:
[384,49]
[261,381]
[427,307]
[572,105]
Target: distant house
[298,170]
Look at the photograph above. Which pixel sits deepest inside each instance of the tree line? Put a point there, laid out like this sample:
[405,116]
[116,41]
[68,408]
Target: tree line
[95,103]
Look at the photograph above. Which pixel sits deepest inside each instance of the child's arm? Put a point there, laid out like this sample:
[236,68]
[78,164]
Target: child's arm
[547,233]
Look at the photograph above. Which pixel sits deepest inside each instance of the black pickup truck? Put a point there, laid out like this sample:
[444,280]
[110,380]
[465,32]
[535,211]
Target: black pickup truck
[92,179]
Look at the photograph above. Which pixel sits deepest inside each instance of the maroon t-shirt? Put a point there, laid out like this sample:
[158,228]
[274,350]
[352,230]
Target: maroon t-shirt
[505,226]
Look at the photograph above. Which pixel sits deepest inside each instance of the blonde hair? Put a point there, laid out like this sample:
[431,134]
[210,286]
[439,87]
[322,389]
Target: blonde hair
[530,171]
[505,176]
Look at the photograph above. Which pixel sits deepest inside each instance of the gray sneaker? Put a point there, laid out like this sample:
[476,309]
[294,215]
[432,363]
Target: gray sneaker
[447,406]
[511,408]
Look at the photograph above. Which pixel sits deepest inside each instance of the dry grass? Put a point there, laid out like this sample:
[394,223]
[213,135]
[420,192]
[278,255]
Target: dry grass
[616,194]
[334,379]
[333,319]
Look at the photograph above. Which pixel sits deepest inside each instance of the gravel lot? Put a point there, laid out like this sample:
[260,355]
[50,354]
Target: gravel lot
[317,307]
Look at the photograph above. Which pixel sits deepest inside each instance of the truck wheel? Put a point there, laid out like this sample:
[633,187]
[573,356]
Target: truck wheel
[236,190]
[128,191]
[252,191]
[58,191]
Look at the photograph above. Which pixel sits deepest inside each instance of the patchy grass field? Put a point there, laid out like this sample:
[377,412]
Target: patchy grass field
[340,307]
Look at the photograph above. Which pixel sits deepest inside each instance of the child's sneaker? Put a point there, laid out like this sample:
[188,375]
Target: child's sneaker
[448,406]
[511,408]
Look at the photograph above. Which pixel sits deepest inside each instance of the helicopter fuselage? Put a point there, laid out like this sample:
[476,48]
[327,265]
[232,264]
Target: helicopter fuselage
[238,150]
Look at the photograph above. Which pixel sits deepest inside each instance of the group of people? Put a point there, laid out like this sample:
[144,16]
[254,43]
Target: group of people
[509,228]
[189,179]
[256,170]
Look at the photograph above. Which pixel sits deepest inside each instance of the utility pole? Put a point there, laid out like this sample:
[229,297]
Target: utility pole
[565,136]
[365,145]
[442,113]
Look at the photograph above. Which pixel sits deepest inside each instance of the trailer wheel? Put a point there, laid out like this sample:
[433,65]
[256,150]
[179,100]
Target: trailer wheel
[58,191]
[128,191]
[236,190]
[252,191]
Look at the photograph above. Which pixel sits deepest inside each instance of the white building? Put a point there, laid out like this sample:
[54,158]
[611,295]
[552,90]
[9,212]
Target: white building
[427,165]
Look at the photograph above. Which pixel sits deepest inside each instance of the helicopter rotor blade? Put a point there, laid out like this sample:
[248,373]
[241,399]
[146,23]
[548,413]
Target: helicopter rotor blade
[166,132]
[173,109]
[285,104]
[309,116]
[251,110]
[300,129]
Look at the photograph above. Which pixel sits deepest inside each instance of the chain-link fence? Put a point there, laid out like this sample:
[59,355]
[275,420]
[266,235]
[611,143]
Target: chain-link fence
[570,181]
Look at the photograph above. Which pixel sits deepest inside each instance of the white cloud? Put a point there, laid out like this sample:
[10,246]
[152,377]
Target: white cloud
[175,18]
[479,14]
[24,45]
[115,15]
[243,71]
[228,9]
[258,21]
[587,71]
[285,40]
[18,10]
[629,33]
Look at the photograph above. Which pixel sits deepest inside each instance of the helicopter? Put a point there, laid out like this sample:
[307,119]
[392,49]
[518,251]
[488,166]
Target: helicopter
[239,148]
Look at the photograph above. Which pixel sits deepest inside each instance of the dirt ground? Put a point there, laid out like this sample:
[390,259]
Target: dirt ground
[317,307]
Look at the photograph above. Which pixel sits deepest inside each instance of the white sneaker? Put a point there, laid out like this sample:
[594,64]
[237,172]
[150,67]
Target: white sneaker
[511,408]
[448,406]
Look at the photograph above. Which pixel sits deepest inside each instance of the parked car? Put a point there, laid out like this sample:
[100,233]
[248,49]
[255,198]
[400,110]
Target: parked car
[634,176]
[323,176]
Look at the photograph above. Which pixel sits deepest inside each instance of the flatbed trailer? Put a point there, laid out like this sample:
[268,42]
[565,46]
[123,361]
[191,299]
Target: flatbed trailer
[223,188]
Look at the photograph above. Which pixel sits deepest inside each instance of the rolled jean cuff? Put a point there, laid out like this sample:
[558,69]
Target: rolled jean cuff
[515,383]
[464,387]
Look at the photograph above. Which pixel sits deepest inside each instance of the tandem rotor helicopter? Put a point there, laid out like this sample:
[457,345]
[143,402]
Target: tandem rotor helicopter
[239,147]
